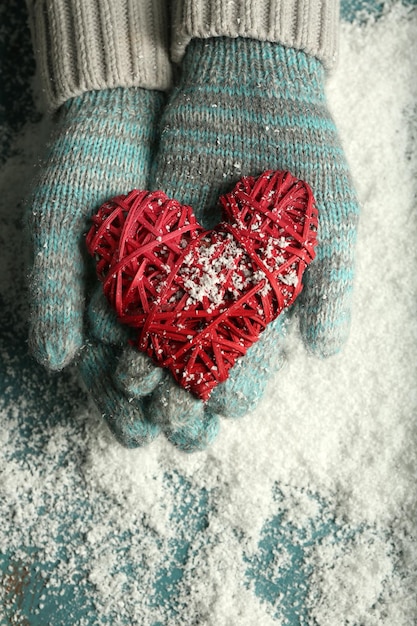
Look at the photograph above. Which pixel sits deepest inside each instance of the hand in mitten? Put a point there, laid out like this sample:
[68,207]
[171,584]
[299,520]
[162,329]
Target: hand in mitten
[101,142]
[243,106]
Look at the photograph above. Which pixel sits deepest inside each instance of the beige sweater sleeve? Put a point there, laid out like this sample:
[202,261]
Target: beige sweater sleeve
[83,45]
[309,25]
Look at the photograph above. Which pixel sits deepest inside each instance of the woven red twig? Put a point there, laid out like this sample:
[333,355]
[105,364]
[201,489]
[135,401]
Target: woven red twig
[200,298]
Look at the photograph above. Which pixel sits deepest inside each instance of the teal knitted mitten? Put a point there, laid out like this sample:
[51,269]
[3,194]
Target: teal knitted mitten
[125,416]
[243,106]
[101,143]
[124,402]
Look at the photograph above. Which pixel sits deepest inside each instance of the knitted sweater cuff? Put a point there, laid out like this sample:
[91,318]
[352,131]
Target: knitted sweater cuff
[100,44]
[309,25]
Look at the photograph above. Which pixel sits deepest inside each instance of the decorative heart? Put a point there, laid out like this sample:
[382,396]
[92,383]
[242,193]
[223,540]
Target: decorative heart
[200,298]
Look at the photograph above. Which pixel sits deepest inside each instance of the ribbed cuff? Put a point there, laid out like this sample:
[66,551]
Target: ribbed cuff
[308,25]
[100,44]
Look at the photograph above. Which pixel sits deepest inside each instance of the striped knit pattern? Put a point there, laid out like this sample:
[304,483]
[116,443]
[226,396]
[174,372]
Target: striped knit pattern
[99,44]
[309,25]
[122,398]
[102,145]
[182,417]
[124,416]
[243,106]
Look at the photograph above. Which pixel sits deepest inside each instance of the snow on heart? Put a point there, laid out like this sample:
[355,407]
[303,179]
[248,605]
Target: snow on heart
[200,298]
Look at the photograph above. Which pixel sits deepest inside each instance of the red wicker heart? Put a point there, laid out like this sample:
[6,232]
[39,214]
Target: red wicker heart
[200,298]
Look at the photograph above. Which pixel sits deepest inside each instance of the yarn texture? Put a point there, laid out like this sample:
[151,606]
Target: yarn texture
[241,107]
[101,141]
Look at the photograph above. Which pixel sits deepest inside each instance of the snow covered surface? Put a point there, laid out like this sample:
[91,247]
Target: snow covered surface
[303,512]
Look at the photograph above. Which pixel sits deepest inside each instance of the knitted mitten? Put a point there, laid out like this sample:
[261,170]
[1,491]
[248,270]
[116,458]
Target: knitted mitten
[124,401]
[101,143]
[243,106]
[124,415]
